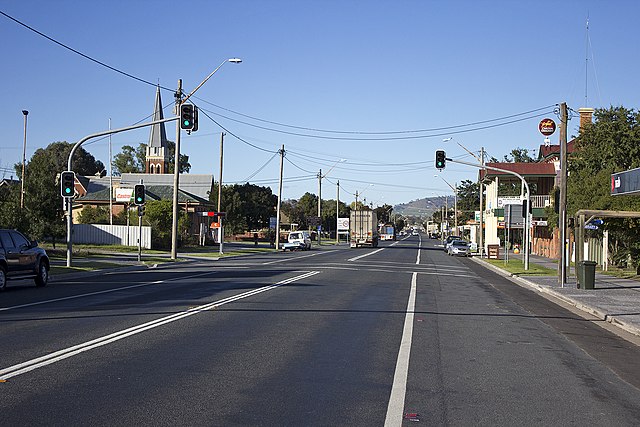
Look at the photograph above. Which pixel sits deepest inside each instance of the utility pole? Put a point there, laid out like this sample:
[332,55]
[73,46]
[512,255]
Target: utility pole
[220,218]
[110,180]
[562,211]
[481,238]
[455,208]
[337,211]
[176,178]
[319,229]
[24,159]
[279,200]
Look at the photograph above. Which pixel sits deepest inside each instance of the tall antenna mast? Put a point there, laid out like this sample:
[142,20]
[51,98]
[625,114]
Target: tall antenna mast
[586,65]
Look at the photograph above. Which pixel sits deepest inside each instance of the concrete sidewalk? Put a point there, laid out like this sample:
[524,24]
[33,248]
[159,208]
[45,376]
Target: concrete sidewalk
[614,300]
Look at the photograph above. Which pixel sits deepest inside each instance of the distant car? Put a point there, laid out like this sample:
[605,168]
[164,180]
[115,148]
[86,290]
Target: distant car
[448,241]
[22,259]
[298,241]
[414,233]
[459,248]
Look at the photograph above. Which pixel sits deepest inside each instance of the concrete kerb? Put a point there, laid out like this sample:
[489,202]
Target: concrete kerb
[551,294]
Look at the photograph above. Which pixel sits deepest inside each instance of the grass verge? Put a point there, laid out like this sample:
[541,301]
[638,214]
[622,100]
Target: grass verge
[516,266]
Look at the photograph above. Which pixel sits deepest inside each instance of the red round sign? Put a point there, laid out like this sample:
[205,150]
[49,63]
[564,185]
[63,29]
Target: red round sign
[547,127]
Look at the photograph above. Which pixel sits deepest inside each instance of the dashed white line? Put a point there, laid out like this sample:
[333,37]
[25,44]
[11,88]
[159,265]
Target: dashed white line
[367,254]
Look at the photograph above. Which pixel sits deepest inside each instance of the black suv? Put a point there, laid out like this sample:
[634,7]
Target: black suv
[21,259]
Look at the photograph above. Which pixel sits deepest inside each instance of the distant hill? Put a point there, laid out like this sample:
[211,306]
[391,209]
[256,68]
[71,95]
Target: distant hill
[421,208]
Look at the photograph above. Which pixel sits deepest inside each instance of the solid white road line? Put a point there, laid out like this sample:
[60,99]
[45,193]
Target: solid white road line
[395,408]
[419,249]
[39,362]
[106,291]
[367,254]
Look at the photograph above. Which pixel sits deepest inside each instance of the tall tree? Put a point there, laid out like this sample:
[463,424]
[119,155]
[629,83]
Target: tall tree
[133,160]
[247,207]
[468,200]
[384,213]
[43,203]
[518,155]
[608,145]
[128,161]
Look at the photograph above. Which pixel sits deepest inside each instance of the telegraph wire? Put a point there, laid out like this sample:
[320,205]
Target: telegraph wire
[80,53]
[124,73]
[394,138]
[365,132]
[234,135]
[261,168]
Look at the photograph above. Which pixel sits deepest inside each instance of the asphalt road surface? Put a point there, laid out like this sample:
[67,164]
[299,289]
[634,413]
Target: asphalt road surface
[393,335]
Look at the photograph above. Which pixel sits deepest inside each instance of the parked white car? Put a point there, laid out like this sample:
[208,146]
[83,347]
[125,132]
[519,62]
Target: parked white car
[298,241]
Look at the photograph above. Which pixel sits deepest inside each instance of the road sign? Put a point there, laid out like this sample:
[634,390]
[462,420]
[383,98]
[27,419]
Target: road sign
[211,213]
[590,227]
[627,182]
[596,222]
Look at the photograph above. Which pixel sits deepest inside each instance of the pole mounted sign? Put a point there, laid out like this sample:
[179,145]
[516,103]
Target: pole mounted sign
[627,182]
[547,127]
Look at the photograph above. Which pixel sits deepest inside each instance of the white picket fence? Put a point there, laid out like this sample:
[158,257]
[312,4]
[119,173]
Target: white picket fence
[100,234]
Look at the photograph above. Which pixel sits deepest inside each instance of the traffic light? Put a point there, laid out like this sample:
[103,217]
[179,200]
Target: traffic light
[140,210]
[67,184]
[187,117]
[441,159]
[138,194]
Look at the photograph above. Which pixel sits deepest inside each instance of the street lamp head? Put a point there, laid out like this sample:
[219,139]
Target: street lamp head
[25,112]
[447,139]
[235,60]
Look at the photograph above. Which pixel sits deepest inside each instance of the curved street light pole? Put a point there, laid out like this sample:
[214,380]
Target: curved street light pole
[176,171]
[455,201]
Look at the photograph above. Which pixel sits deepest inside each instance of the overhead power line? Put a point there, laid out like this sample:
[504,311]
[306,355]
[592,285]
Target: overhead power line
[77,52]
[311,129]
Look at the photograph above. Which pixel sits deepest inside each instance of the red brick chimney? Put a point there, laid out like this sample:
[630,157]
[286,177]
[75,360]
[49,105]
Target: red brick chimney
[586,116]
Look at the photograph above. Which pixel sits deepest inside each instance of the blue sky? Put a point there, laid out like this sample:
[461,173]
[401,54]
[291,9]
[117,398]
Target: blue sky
[349,66]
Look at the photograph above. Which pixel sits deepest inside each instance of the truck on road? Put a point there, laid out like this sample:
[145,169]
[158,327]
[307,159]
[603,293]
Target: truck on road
[387,232]
[363,228]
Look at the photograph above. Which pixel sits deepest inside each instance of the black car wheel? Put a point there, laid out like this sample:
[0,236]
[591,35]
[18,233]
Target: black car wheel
[3,279]
[43,274]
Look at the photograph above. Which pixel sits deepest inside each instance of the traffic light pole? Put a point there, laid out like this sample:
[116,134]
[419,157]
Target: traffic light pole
[176,178]
[69,168]
[528,199]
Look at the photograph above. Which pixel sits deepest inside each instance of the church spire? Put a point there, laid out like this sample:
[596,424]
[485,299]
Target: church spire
[156,161]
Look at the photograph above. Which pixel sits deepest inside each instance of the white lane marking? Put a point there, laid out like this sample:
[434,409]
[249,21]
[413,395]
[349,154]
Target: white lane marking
[298,257]
[395,408]
[419,249]
[106,291]
[48,359]
[367,254]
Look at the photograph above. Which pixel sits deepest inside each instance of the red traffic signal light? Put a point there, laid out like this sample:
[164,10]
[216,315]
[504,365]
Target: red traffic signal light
[67,184]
